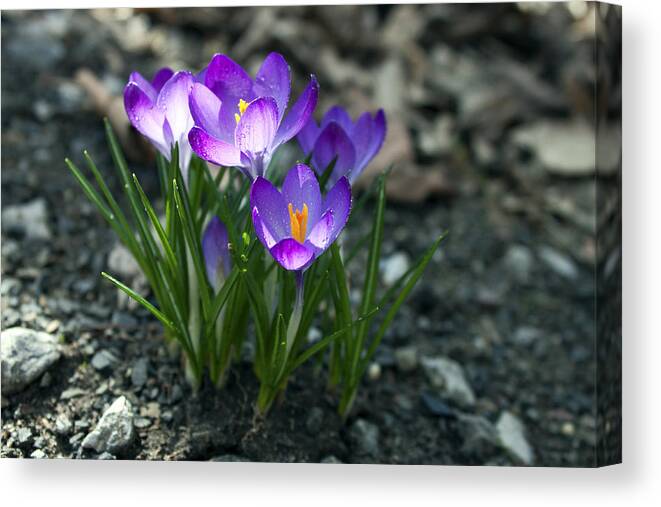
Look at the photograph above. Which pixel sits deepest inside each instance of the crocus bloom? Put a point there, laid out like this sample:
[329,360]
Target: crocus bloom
[297,225]
[217,258]
[240,121]
[337,137]
[159,111]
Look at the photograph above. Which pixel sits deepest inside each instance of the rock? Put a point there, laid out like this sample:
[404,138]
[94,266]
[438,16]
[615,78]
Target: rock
[439,138]
[315,420]
[365,437]
[115,432]
[24,436]
[26,355]
[63,425]
[480,436]
[122,263]
[393,267]
[560,263]
[511,434]
[230,458]
[525,335]
[103,360]
[406,358]
[152,409]
[436,406]
[566,148]
[72,392]
[331,460]
[105,456]
[139,372]
[29,220]
[38,454]
[36,48]
[519,261]
[447,376]
[124,320]
[374,372]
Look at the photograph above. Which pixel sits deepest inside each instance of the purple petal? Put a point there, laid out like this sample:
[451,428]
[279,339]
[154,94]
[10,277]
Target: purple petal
[308,136]
[292,255]
[256,129]
[361,136]
[215,248]
[261,229]
[338,201]
[338,115]
[228,80]
[274,80]
[299,114]
[205,109]
[321,235]
[378,135]
[149,90]
[334,143]
[173,101]
[161,77]
[301,187]
[145,117]
[213,150]
[271,207]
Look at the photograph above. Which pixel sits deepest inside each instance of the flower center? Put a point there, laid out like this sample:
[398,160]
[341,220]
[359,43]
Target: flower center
[298,221]
[243,105]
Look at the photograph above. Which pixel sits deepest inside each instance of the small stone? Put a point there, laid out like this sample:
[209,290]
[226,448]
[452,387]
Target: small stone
[63,425]
[374,372]
[560,263]
[331,460]
[519,261]
[568,429]
[115,431]
[447,376]
[26,355]
[139,372]
[121,262]
[53,326]
[38,454]
[526,335]
[406,358]
[512,438]
[81,425]
[436,406]
[73,441]
[29,220]
[315,420]
[152,410]
[142,422]
[24,436]
[46,380]
[365,437]
[72,392]
[103,360]
[124,320]
[105,456]
[393,267]
[480,436]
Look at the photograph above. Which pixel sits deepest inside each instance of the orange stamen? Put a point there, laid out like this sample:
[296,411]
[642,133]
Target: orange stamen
[298,221]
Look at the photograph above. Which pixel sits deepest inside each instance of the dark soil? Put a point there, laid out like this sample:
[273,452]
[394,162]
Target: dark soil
[525,336]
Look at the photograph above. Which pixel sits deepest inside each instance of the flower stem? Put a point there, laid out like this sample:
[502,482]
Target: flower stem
[297,312]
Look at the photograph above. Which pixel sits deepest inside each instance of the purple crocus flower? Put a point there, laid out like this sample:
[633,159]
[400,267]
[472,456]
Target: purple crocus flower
[338,137]
[159,111]
[297,225]
[240,121]
[217,257]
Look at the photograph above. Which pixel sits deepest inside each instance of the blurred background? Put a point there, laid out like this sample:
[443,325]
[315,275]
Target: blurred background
[492,117]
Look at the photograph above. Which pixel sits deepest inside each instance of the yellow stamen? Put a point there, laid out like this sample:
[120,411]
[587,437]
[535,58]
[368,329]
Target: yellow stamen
[298,221]
[243,105]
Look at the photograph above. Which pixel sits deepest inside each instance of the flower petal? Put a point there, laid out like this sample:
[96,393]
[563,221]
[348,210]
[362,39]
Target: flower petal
[320,236]
[173,101]
[261,229]
[339,115]
[334,143]
[274,80]
[338,201]
[377,137]
[308,136]
[301,187]
[148,89]
[271,207]
[228,80]
[257,127]
[217,259]
[205,109]
[292,255]
[146,119]
[213,150]
[161,77]
[299,114]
